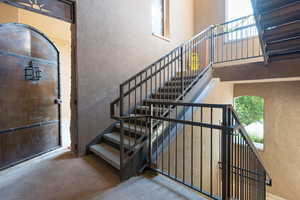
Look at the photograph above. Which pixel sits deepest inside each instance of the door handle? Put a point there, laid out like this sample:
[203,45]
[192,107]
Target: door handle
[58,101]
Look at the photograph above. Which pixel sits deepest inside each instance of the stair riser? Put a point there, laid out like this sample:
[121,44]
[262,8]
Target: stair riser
[147,112]
[290,44]
[177,83]
[185,78]
[273,36]
[165,96]
[285,31]
[130,132]
[116,144]
[170,89]
[111,143]
[267,5]
[285,57]
[280,17]
[107,153]
[140,122]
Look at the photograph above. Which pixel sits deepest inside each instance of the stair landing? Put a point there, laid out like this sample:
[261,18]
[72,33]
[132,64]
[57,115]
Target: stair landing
[149,188]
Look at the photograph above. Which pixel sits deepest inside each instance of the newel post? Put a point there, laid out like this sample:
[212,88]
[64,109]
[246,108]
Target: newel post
[226,145]
[181,67]
[212,45]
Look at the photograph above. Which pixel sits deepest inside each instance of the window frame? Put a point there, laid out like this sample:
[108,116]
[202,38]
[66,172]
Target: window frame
[165,35]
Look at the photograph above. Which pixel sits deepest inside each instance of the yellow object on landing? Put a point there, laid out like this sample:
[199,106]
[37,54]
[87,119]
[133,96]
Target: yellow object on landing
[194,61]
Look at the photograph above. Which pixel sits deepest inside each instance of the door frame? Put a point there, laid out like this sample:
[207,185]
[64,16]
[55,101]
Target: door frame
[74,76]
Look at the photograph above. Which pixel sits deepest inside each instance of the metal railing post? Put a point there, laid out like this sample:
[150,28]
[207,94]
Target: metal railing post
[225,141]
[150,136]
[181,67]
[121,132]
[212,56]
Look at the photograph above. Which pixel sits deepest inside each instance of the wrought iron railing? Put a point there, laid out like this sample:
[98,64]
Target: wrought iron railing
[247,175]
[230,41]
[175,73]
[205,147]
[236,40]
[229,165]
[190,59]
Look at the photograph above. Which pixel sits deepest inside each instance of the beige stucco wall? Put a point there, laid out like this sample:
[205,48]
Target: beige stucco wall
[282,127]
[59,33]
[8,14]
[208,12]
[115,42]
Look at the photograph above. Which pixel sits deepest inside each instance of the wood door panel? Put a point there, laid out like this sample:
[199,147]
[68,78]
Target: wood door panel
[26,42]
[26,143]
[30,101]
[29,85]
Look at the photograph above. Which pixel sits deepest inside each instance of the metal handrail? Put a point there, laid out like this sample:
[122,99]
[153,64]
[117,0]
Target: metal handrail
[237,40]
[212,28]
[235,20]
[183,48]
[233,168]
[182,103]
[180,57]
[250,143]
[243,130]
[160,59]
[237,29]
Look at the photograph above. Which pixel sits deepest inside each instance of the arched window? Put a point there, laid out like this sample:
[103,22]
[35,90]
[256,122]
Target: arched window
[251,113]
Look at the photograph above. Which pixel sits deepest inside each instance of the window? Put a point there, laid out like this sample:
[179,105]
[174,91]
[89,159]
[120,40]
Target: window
[237,9]
[160,17]
[250,110]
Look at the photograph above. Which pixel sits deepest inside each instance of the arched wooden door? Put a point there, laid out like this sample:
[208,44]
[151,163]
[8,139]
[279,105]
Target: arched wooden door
[29,94]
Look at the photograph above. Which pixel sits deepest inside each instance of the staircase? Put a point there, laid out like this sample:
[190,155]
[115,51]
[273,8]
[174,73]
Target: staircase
[279,25]
[135,129]
[123,144]
[150,116]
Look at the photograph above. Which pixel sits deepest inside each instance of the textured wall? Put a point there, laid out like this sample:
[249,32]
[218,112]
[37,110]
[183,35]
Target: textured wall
[208,12]
[282,128]
[9,14]
[115,42]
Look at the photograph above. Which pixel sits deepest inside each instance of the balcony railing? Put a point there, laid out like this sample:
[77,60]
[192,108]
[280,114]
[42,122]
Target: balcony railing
[236,40]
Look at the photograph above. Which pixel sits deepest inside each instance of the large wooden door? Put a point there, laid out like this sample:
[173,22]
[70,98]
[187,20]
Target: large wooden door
[29,94]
